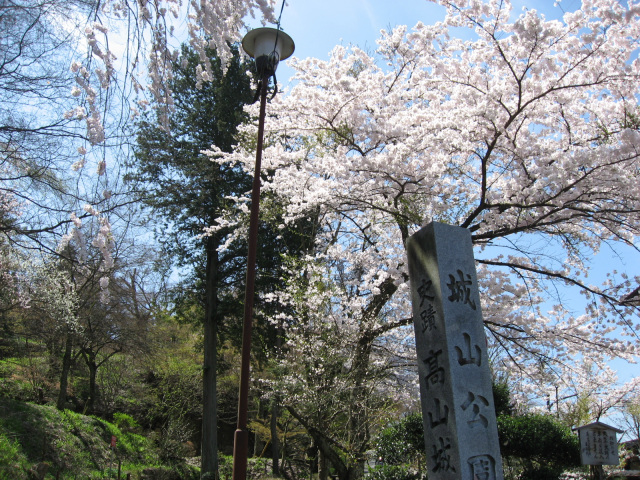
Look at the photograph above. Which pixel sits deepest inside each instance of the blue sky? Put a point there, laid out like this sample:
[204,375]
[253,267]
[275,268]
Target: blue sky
[318,26]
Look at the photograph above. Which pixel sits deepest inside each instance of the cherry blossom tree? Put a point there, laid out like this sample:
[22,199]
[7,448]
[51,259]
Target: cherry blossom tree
[589,393]
[526,133]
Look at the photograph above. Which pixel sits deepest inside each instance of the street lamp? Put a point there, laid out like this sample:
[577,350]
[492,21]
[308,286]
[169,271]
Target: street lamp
[267,46]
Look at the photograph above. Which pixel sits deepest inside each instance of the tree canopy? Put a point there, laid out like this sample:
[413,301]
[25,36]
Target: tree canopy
[526,134]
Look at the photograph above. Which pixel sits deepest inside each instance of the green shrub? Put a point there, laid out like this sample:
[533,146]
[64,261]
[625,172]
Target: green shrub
[125,422]
[132,445]
[256,467]
[543,446]
[394,472]
[401,442]
[502,398]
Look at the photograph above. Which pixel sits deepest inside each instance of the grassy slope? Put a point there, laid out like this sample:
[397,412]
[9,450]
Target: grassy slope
[73,445]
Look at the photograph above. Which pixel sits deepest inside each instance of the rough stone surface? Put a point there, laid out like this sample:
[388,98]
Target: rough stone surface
[461,435]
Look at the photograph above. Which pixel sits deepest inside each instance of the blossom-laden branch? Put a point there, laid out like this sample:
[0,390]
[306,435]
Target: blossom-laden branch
[527,135]
[150,48]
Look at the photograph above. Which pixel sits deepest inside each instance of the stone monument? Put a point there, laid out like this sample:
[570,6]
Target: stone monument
[460,430]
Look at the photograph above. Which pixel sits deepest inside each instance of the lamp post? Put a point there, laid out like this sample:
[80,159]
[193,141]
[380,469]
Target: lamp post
[267,46]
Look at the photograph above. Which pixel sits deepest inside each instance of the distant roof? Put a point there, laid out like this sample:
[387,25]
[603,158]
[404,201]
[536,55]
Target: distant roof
[599,425]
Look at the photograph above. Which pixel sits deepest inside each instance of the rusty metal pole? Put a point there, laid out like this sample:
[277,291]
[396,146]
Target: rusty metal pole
[241,438]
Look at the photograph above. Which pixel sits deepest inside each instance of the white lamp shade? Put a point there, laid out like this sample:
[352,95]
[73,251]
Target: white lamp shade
[262,41]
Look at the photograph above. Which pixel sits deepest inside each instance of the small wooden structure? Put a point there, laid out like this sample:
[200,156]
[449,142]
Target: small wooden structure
[598,446]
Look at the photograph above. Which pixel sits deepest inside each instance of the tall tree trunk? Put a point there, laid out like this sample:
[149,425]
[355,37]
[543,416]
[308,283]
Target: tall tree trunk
[356,470]
[64,374]
[258,444]
[359,417]
[93,370]
[323,468]
[275,441]
[209,462]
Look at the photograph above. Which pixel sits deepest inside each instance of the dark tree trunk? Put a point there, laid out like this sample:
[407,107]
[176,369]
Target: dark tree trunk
[359,418]
[64,374]
[323,468]
[93,370]
[275,442]
[209,462]
[258,444]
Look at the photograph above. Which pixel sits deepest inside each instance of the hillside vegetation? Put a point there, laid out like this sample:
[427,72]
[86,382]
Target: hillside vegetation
[39,441]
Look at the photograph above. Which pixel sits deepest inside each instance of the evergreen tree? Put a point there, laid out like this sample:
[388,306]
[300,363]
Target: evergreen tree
[187,192]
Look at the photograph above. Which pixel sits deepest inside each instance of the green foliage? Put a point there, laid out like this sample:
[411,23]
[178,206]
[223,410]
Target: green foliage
[579,412]
[119,384]
[400,449]
[502,398]
[14,383]
[180,183]
[394,472]
[131,445]
[178,390]
[13,463]
[402,441]
[125,422]
[257,468]
[534,447]
[71,444]
[543,446]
